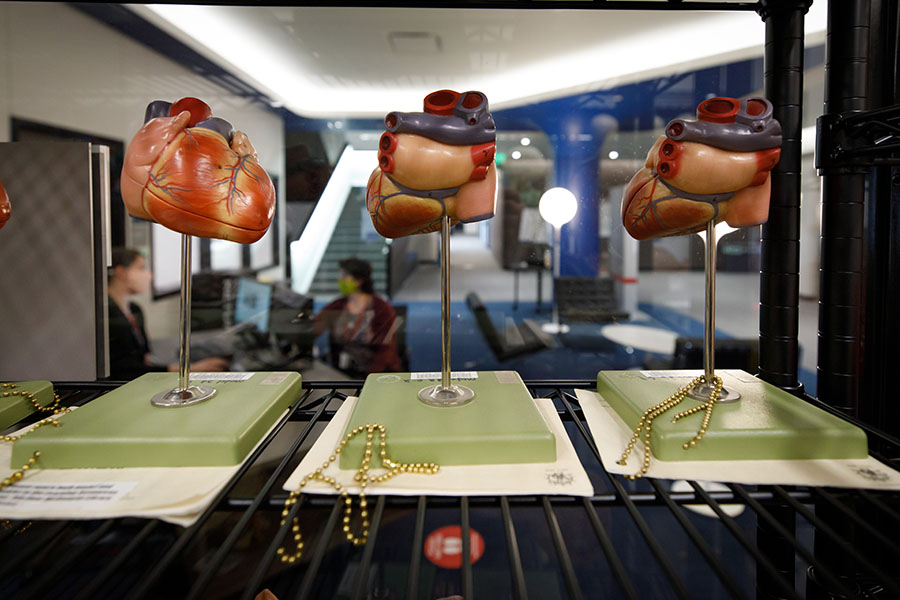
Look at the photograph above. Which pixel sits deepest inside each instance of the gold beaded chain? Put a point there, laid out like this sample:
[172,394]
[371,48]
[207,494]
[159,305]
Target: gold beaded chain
[51,420]
[18,475]
[362,476]
[31,397]
[7,524]
[644,424]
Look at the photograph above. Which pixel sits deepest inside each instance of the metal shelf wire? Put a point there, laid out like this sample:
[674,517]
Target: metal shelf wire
[630,539]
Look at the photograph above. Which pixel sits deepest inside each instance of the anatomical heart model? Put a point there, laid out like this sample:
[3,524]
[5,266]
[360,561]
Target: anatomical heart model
[435,169]
[698,174]
[713,169]
[5,206]
[193,173]
[435,163]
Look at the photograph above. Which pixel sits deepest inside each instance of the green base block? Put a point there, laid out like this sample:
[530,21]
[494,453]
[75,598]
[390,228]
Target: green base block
[501,425]
[15,408]
[122,428]
[766,423]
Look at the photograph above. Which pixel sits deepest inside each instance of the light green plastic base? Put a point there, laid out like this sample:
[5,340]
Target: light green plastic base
[501,425]
[15,408]
[766,423]
[122,428]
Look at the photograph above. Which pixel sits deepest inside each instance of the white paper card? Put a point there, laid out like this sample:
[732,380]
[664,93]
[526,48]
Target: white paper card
[566,476]
[221,376]
[611,435]
[178,495]
[436,375]
[31,495]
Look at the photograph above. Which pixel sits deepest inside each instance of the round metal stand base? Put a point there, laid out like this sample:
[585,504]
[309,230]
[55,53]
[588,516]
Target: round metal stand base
[453,395]
[555,328]
[174,398]
[702,391]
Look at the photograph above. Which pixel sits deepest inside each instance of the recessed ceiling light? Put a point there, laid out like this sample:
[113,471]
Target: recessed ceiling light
[613,154]
[525,141]
[516,155]
[414,43]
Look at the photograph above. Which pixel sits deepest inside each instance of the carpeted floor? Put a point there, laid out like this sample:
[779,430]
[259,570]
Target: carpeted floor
[579,354]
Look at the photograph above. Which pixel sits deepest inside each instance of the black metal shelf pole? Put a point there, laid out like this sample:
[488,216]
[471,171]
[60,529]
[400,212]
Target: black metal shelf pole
[842,284]
[843,254]
[779,310]
[780,252]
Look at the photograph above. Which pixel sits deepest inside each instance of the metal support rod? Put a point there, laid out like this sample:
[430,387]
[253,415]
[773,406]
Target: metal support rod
[184,394]
[445,302]
[184,326]
[709,321]
[445,393]
[703,391]
[557,250]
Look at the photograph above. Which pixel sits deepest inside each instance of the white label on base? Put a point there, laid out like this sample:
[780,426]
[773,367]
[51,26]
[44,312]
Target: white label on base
[274,379]
[672,374]
[64,495]
[221,376]
[507,377]
[436,375]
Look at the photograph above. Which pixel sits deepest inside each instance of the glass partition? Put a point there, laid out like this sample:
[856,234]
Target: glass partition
[578,97]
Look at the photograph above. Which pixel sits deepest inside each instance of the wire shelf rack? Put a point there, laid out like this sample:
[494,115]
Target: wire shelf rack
[632,539]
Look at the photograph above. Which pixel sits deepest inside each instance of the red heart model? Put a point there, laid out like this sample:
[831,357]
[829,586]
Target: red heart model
[5,206]
[190,172]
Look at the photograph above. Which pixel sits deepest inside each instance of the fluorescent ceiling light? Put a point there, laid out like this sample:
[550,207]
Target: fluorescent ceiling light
[268,58]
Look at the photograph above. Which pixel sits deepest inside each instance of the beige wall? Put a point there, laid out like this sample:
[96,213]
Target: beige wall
[63,68]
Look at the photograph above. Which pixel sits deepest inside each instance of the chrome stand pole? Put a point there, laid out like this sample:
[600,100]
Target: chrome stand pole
[445,302]
[184,394]
[709,321]
[702,391]
[555,327]
[445,394]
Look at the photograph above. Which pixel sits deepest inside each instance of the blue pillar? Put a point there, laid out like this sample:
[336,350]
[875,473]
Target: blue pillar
[577,141]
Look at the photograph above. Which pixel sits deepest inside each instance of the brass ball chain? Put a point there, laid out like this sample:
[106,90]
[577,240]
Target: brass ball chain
[644,424]
[10,390]
[31,397]
[362,476]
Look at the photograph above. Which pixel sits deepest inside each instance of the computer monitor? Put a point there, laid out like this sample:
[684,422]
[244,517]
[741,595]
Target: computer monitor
[252,303]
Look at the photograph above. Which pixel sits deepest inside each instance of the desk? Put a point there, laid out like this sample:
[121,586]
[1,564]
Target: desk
[524,266]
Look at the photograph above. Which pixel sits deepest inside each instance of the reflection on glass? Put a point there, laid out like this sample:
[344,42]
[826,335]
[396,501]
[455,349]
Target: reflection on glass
[596,132]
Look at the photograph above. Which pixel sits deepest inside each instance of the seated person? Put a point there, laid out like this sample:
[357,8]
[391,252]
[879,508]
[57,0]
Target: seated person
[129,347]
[360,324]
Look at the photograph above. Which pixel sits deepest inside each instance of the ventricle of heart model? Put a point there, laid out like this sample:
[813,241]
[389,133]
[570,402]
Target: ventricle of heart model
[435,163]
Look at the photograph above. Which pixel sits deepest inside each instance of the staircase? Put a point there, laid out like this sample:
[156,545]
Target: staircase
[348,242]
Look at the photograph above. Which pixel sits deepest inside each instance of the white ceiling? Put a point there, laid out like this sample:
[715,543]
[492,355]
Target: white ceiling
[365,62]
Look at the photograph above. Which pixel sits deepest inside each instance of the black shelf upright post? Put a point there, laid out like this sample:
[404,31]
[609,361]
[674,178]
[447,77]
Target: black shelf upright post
[842,271]
[779,311]
[882,260]
[780,252]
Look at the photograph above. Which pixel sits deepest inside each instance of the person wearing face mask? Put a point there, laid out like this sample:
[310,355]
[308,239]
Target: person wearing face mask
[360,324]
[129,347]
